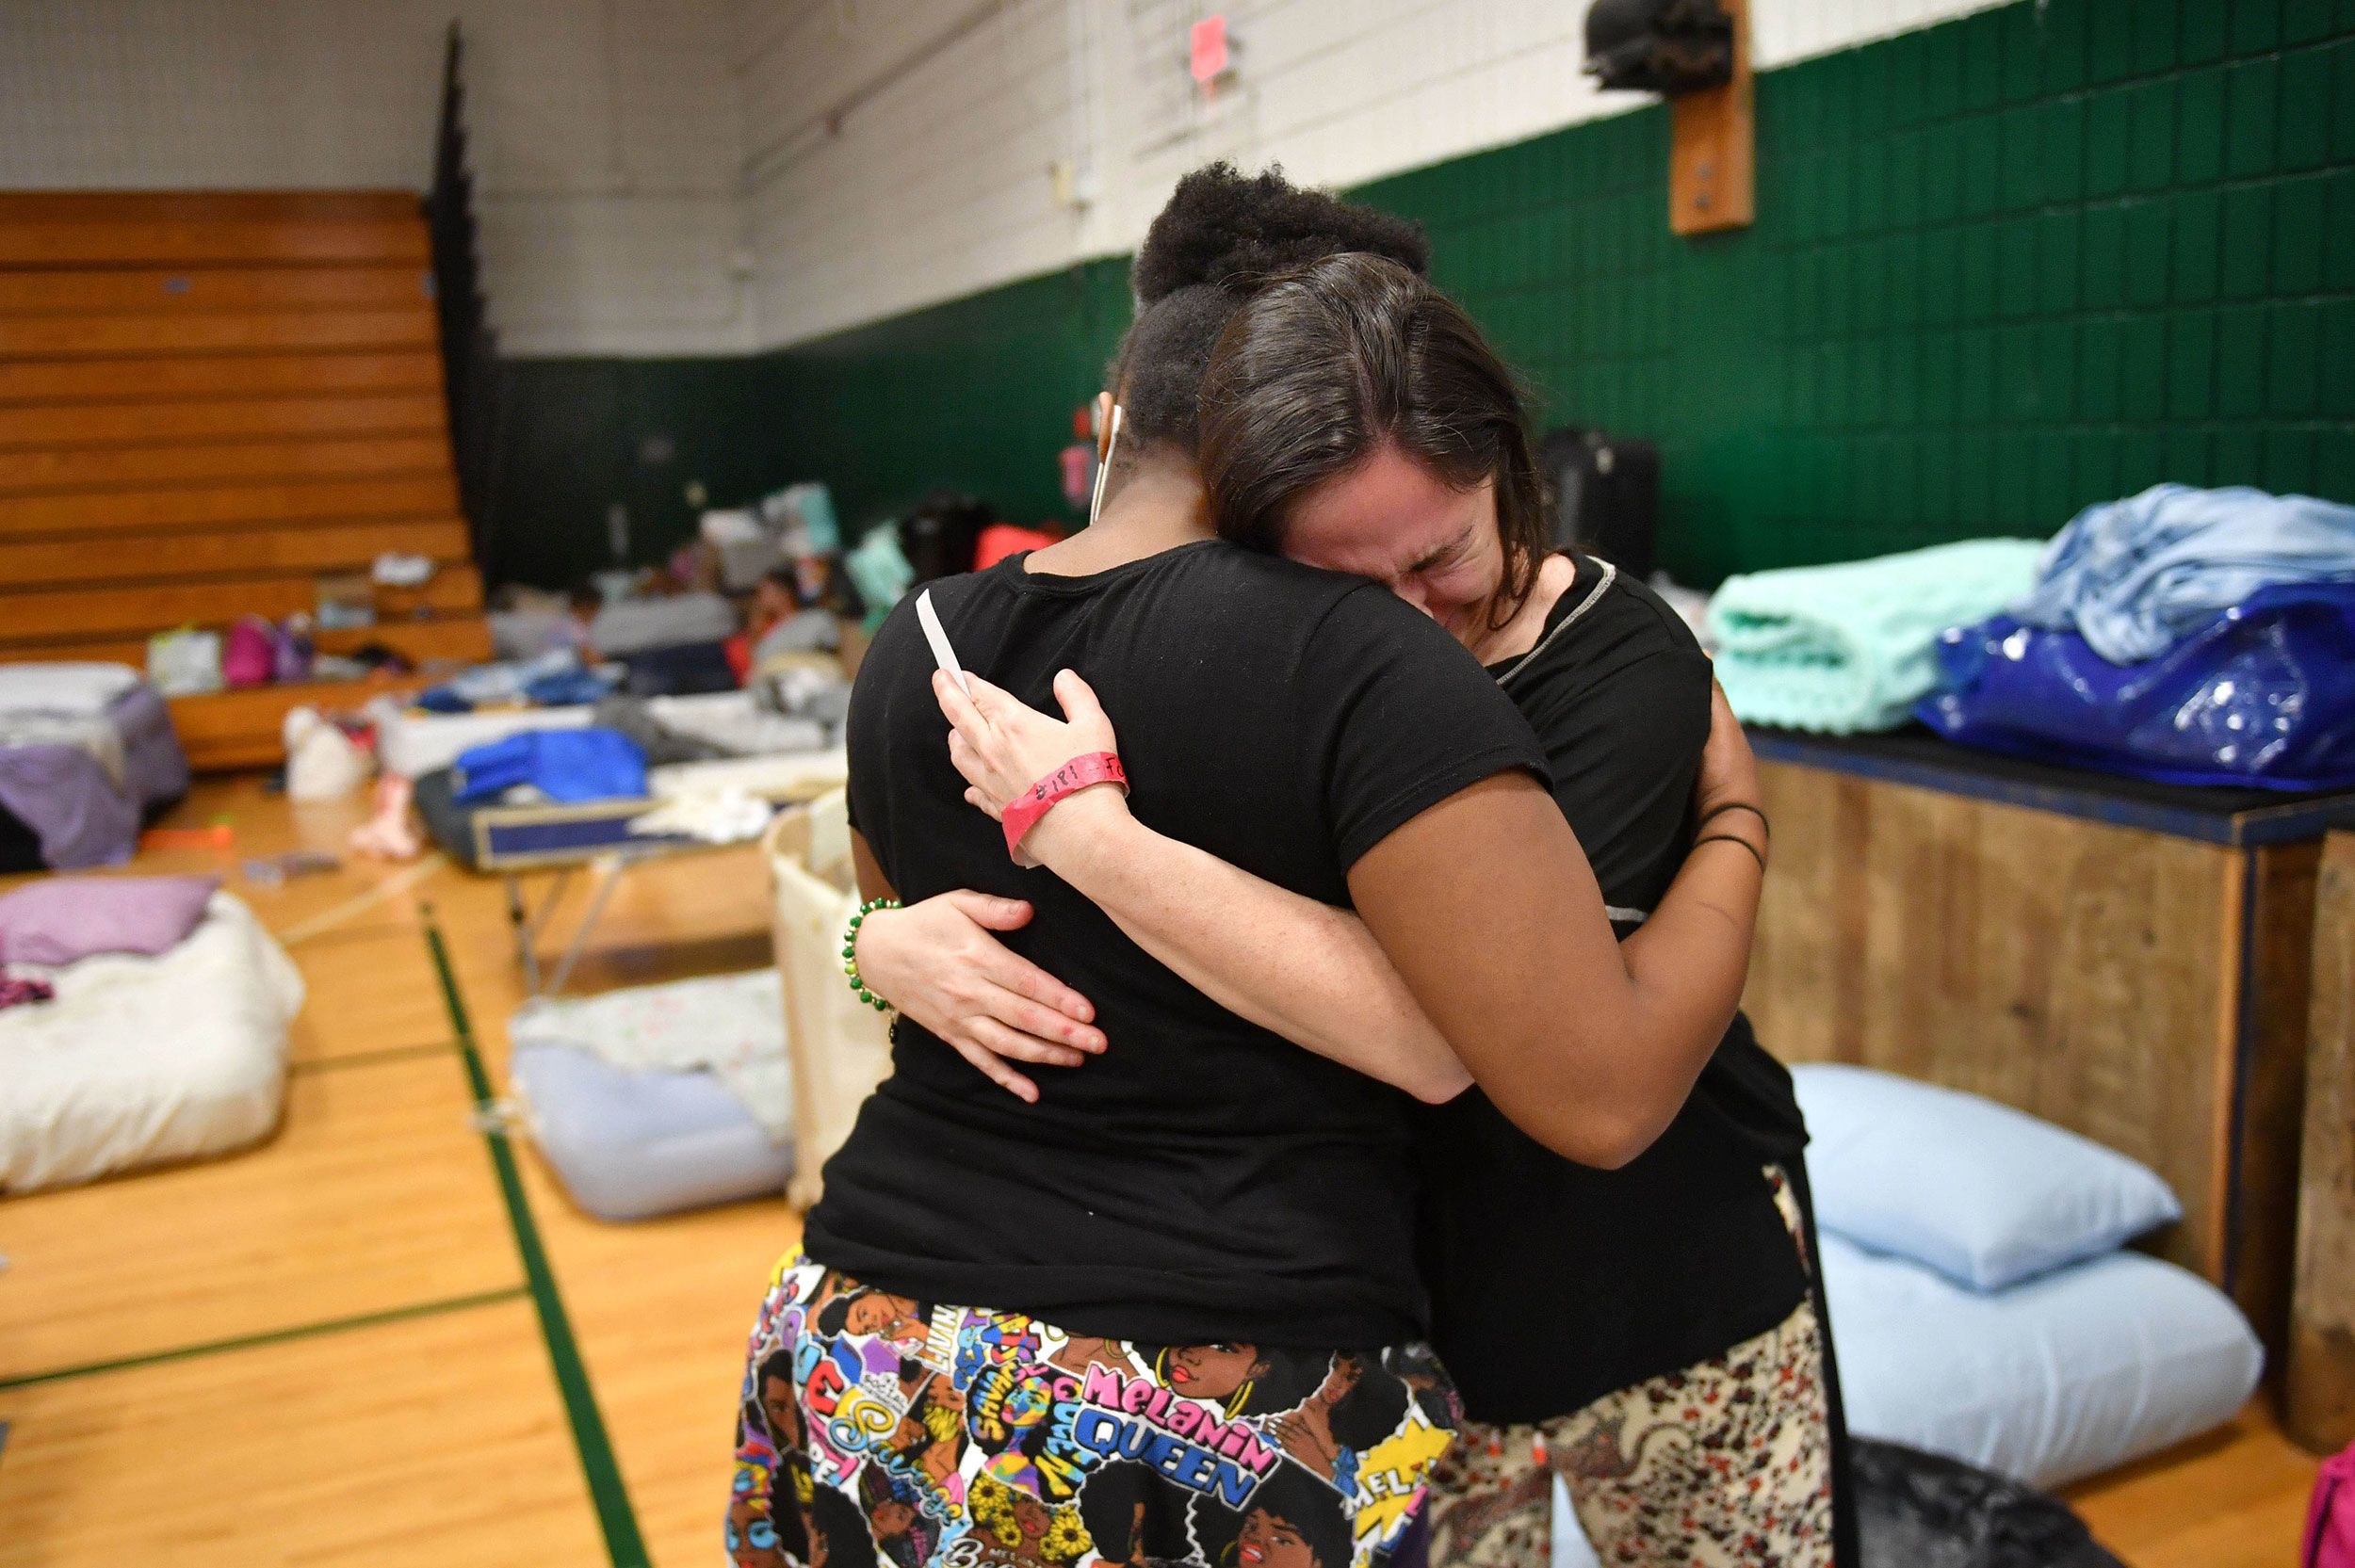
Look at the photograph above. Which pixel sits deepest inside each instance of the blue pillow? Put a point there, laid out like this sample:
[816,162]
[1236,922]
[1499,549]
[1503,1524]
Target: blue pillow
[632,1145]
[1984,1194]
[2058,1378]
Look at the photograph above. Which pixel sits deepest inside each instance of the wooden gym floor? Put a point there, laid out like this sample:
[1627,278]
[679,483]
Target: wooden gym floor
[385,1337]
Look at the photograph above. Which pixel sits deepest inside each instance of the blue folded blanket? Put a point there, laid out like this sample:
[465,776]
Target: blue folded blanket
[2135,576]
[568,765]
[1851,647]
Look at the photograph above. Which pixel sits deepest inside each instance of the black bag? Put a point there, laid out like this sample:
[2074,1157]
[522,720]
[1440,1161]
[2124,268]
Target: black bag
[1925,1510]
[684,670]
[939,535]
[1607,495]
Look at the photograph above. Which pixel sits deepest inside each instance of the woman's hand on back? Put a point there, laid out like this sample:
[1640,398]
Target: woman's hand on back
[940,964]
[1004,746]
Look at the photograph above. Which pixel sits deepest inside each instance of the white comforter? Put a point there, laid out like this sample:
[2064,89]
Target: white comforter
[83,691]
[413,742]
[140,1060]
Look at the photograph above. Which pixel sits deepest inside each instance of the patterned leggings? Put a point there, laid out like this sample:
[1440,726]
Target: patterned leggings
[1728,1462]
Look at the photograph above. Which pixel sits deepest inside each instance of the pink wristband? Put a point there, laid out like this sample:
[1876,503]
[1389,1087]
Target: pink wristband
[1081,772]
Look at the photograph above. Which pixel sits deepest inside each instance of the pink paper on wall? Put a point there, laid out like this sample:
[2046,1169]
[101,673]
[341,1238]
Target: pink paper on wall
[1208,37]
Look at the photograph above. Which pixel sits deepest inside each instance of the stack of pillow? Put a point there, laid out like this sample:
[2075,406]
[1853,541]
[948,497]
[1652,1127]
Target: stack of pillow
[1981,1303]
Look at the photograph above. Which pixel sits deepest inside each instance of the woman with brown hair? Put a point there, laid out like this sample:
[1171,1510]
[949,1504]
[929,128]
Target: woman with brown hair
[1219,1189]
[1653,1333]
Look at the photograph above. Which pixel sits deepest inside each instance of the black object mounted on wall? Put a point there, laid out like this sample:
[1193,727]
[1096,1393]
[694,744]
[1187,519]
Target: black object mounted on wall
[1663,46]
[1605,495]
[1696,53]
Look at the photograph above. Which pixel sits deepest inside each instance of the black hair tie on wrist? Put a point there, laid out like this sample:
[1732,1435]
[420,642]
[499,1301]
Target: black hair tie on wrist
[1756,853]
[1715,812]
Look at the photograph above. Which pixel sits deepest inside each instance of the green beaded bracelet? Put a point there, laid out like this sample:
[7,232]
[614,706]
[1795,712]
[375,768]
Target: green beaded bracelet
[849,951]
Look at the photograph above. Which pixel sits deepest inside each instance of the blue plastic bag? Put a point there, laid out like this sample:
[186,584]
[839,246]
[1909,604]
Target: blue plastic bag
[2263,696]
[570,765]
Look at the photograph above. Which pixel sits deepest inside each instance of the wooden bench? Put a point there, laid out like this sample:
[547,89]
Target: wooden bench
[56,614]
[458,637]
[207,401]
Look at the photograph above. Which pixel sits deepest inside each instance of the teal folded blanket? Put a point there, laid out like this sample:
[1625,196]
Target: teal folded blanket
[1848,647]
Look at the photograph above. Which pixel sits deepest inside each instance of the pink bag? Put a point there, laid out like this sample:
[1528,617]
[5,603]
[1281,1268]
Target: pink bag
[248,656]
[2330,1523]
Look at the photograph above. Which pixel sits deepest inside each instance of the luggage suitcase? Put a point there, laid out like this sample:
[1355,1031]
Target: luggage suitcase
[1605,496]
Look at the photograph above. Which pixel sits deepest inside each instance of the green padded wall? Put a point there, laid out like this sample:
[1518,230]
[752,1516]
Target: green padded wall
[575,436]
[2003,266]
[975,395]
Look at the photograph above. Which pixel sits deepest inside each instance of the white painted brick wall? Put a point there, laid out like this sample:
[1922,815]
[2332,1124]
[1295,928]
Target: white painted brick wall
[631,153]
[604,132]
[937,185]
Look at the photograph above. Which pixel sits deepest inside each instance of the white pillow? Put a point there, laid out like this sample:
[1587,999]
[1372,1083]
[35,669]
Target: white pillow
[2059,1378]
[1985,1194]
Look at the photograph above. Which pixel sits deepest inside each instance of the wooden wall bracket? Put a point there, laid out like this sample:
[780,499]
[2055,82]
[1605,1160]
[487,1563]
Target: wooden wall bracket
[1711,152]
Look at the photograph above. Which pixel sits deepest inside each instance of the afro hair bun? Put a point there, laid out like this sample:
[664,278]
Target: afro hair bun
[1236,230]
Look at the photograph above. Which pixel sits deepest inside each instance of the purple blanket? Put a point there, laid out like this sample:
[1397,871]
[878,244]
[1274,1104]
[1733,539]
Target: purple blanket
[71,802]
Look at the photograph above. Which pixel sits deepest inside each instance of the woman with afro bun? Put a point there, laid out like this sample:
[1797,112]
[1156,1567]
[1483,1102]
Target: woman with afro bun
[1215,249]
[1682,1382]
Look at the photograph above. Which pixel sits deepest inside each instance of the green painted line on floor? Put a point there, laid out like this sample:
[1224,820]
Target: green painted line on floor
[269,1336]
[622,1542]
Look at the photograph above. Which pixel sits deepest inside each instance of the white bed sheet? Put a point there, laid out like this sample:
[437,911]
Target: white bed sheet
[413,742]
[85,689]
[730,1026]
[2048,1381]
[140,1060]
[733,722]
[786,772]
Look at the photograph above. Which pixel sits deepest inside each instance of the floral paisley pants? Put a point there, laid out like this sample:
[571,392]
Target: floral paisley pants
[1727,1463]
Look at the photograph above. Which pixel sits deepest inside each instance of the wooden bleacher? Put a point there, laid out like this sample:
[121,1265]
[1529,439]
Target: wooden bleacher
[206,401]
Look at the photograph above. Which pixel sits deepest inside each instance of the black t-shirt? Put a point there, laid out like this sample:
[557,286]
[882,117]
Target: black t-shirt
[1553,1284]
[1203,1180]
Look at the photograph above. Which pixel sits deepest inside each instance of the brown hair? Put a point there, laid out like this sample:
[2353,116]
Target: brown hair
[1328,363]
[1221,235]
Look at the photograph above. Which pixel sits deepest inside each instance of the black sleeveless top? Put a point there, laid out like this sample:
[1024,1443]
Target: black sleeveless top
[1553,1284]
